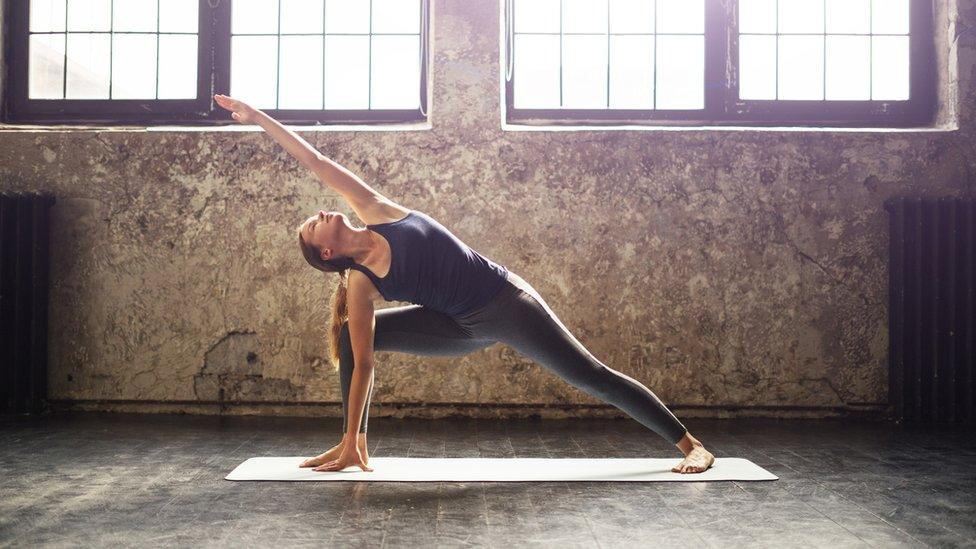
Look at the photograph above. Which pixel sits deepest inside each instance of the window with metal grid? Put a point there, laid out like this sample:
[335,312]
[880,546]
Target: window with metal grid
[722,62]
[149,61]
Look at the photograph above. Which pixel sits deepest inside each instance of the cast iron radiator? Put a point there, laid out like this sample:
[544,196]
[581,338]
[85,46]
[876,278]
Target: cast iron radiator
[932,308]
[23,301]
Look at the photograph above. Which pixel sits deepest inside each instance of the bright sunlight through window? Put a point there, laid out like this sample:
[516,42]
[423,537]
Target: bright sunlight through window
[332,54]
[100,49]
[609,54]
[824,49]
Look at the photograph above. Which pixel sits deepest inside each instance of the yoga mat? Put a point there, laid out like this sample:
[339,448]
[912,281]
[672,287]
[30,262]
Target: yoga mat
[402,469]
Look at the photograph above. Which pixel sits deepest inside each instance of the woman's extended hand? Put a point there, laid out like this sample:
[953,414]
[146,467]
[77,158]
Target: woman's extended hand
[350,456]
[240,111]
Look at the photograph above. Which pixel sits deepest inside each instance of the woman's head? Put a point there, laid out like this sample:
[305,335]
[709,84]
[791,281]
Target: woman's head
[324,238]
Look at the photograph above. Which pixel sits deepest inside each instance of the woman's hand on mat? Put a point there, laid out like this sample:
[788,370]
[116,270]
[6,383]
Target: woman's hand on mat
[350,455]
[240,111]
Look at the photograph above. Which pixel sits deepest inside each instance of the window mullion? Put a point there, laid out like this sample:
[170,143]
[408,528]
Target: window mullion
[220,37]
[717,81]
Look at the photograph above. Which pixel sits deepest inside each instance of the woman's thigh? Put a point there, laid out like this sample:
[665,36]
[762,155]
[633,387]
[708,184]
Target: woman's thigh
[419,330]
[525,322]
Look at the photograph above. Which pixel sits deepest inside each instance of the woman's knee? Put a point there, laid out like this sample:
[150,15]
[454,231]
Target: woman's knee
[592,378]
[575,368]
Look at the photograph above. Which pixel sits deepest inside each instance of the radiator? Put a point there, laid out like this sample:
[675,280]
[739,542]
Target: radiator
[23,301]
[931,313]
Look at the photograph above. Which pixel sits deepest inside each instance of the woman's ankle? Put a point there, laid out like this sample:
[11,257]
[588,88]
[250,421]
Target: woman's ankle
[688,443]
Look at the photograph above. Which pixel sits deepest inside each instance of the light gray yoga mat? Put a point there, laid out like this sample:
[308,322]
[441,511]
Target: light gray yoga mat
[402,469]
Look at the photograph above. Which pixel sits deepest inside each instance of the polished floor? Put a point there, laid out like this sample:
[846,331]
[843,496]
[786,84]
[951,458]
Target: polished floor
[108,480]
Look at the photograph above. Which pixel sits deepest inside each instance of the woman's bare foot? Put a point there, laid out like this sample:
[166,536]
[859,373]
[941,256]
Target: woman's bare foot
[697,458]
[334,452]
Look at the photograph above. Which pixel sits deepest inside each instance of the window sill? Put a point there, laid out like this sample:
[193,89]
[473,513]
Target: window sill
[792,129]
[222,128]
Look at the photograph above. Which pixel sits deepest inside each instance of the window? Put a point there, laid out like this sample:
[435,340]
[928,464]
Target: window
[719,62]
[161,61]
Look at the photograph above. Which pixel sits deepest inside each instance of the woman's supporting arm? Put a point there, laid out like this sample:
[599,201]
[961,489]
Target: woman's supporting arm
[362,325]
[362,374]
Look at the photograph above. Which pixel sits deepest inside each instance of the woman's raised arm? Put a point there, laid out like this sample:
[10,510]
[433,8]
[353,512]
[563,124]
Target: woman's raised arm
[359,195]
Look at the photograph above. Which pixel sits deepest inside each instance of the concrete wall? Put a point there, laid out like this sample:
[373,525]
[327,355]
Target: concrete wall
[725,269]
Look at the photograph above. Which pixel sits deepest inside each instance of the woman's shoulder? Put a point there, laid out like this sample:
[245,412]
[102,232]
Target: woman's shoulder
[386,211]
[363,283]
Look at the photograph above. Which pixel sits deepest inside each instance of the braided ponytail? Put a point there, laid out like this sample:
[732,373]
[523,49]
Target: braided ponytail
[339,315]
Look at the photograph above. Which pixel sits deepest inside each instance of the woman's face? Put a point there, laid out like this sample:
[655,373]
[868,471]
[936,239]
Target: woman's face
[324,231]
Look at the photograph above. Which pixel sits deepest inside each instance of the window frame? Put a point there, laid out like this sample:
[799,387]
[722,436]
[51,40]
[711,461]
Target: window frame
[722,105]
[213,76]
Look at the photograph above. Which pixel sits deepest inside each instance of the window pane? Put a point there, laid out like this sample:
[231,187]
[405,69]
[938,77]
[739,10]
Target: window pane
[585,71]
[631,16]
[631,72]
[88,61]
[889,17]
[849,16]
[585,16]
[301,73]
[536,15]
[347,72]
[45,79]
[134,66]
[680,16]
[536,71]
[177,66]
[400,16]
[253,66]
[801,16]
[346,16]
[801,67]
[47,15]
[680,72]
[757,67]
[89,15]
[848,67]
[301,16]
[134,15]
[254,16]
[889,74]
[757,16]
[395,72]
[178,15]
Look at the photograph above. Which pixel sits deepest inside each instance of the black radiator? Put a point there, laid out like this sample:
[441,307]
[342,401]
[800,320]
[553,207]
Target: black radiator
[932,308]
[23,301]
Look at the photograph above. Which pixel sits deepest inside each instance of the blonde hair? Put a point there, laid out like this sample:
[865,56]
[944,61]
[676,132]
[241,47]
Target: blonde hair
[340,313]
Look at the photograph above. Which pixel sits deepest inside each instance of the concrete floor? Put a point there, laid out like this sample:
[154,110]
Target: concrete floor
[99,479]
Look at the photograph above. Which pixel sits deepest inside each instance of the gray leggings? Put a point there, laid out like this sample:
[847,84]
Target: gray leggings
[516,316]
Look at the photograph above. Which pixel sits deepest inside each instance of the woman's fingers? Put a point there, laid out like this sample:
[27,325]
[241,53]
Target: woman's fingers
[327,466]
[226,102]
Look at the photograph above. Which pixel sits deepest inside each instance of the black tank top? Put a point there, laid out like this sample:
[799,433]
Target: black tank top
[432,267]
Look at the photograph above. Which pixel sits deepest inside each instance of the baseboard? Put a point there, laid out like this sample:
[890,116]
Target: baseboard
[433,410]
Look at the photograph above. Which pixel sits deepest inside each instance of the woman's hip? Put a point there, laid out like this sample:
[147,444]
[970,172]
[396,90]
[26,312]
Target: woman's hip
[517,308]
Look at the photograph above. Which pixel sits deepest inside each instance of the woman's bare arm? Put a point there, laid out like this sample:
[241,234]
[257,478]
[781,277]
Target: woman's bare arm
[360,196]
[362,323]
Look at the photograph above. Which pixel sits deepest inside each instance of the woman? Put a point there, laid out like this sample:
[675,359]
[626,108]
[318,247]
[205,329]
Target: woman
[462,302]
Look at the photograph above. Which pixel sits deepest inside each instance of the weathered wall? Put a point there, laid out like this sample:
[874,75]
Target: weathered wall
[721,268]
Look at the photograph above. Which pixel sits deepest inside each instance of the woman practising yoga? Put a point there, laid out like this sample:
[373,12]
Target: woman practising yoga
[462,302]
